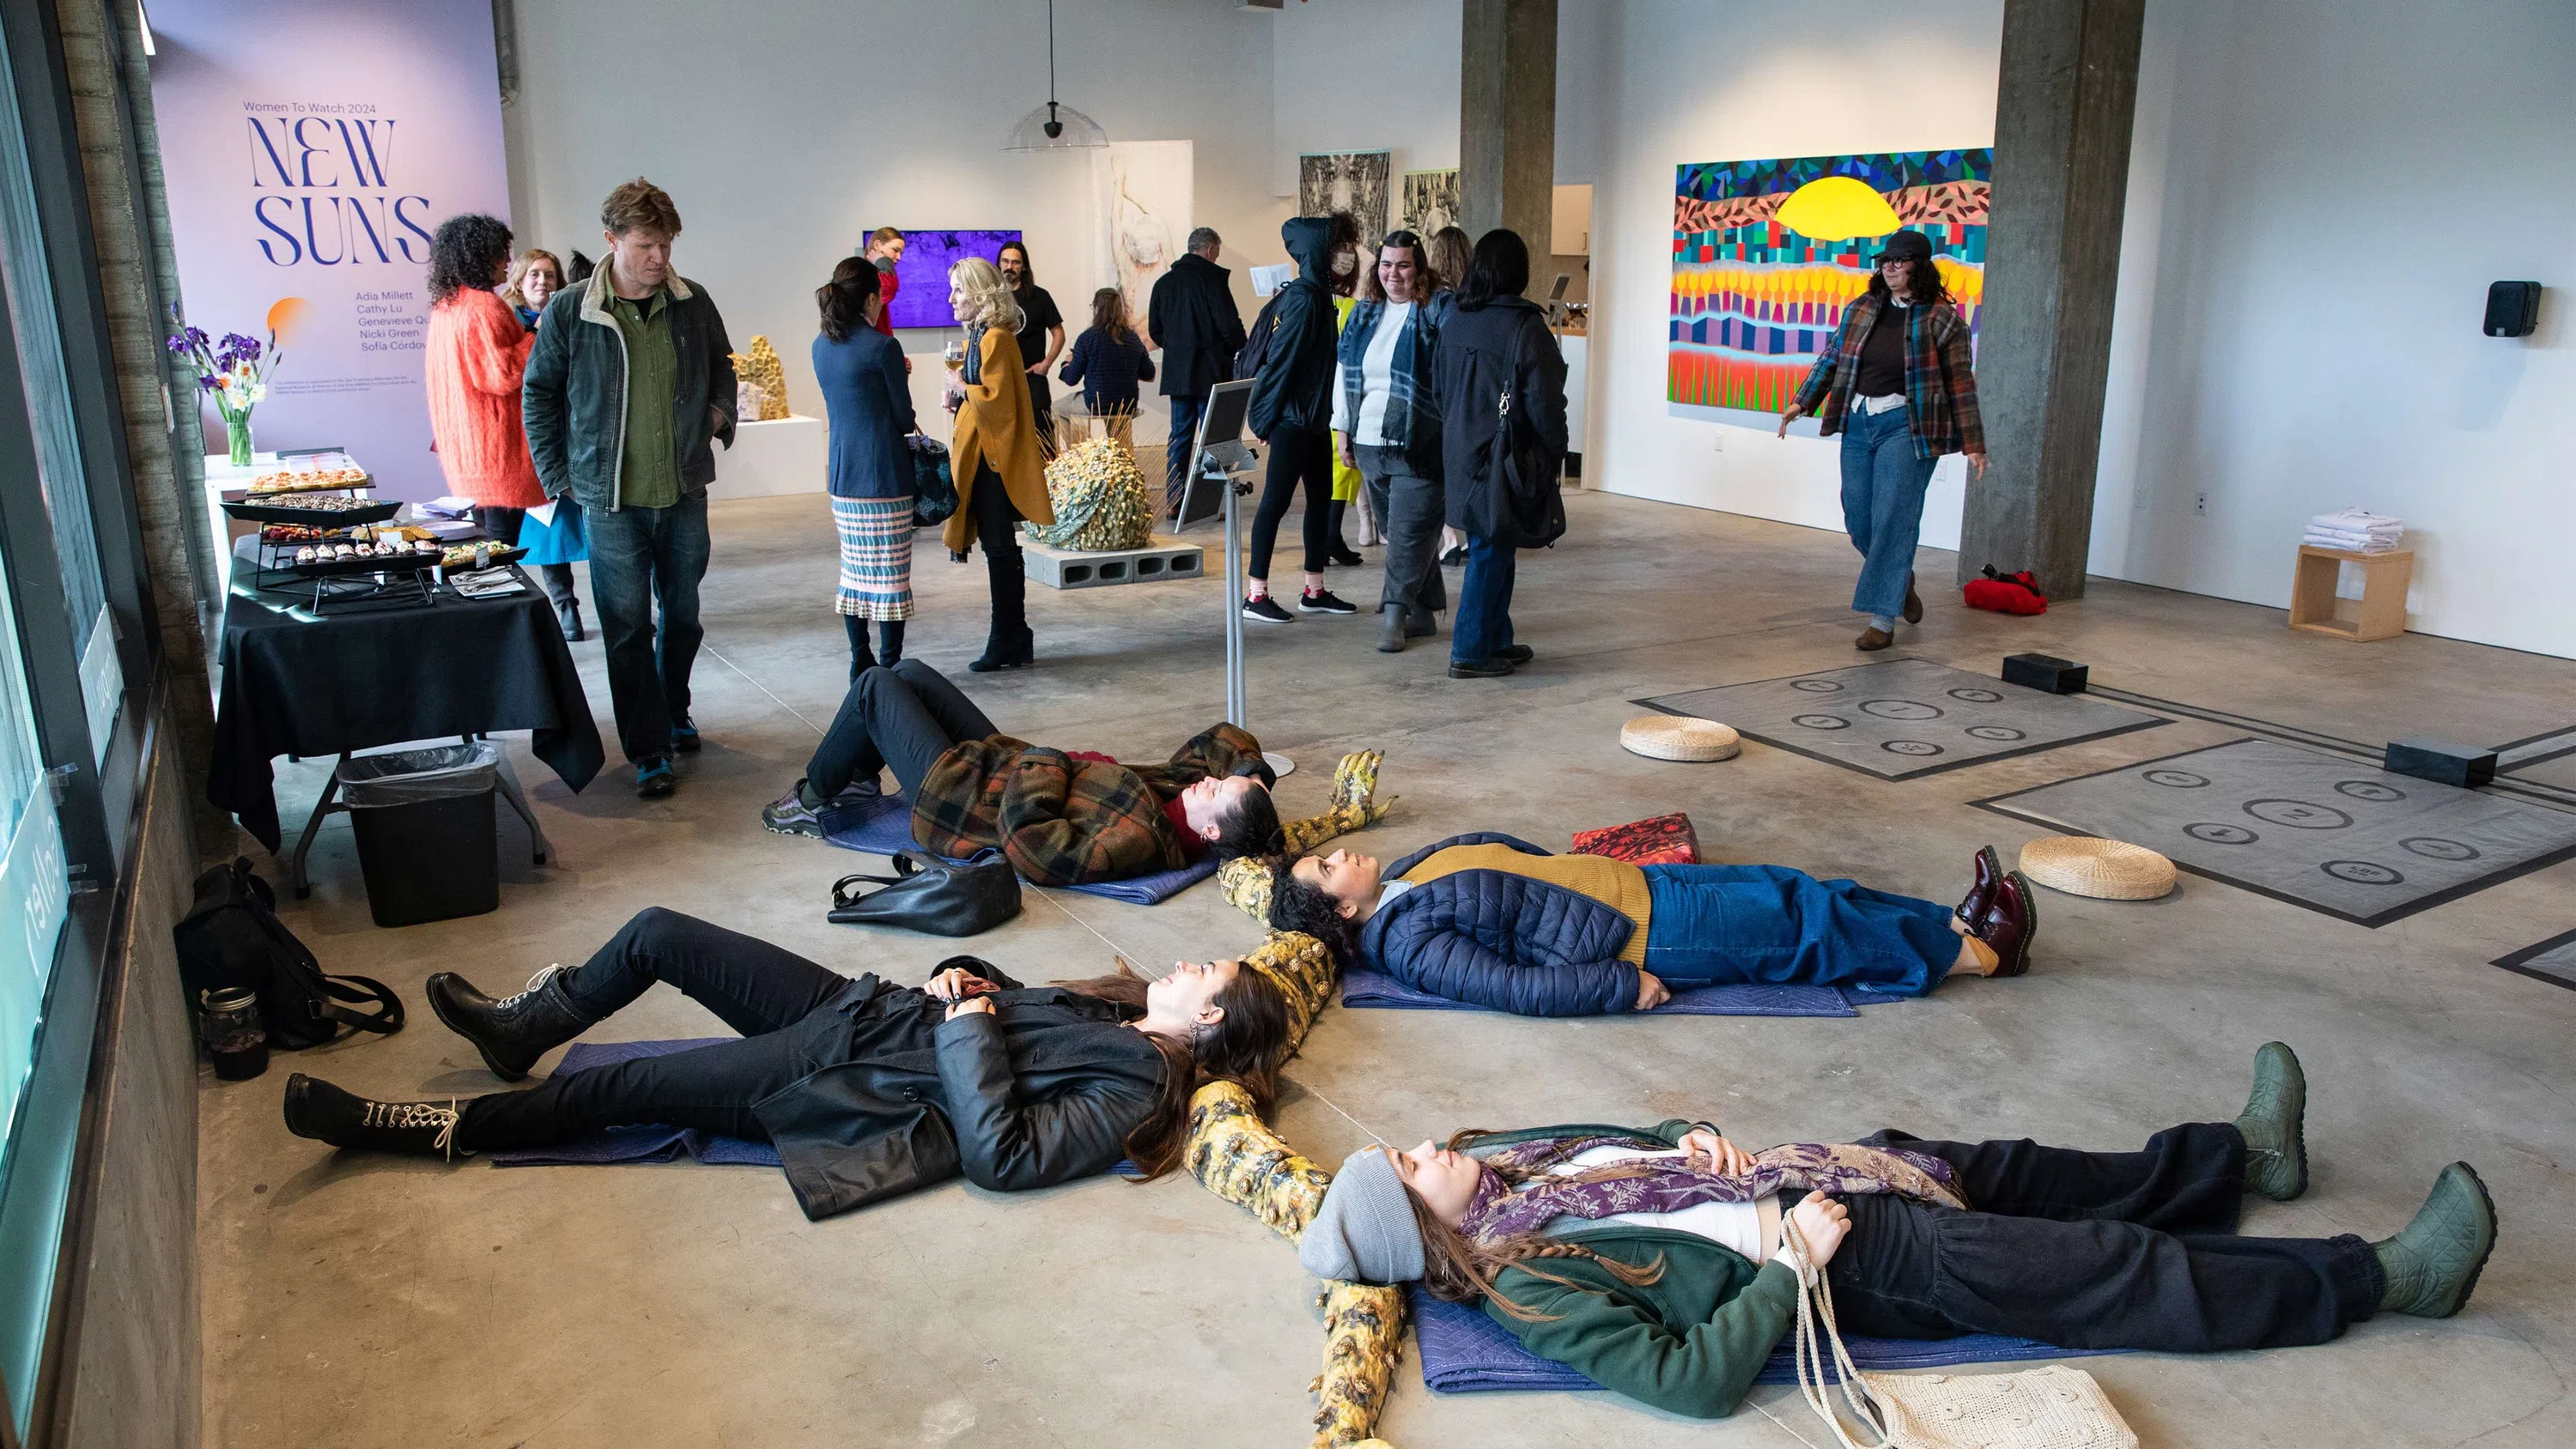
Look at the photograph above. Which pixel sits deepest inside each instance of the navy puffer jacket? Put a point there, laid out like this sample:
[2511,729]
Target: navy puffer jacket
[1502,941]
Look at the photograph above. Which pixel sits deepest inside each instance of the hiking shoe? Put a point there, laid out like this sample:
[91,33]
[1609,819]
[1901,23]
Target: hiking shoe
[1479,668]
[2433,1263]
[789,814]
[2274,1125]
[317,1110]
[1324,601]
[1266,610]
[684,737]
[654,780]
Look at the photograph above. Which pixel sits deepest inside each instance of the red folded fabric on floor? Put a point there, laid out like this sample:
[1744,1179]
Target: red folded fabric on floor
[2007,594]
[1658,840]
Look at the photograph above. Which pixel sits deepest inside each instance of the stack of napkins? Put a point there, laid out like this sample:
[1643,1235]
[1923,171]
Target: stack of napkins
[2355,530]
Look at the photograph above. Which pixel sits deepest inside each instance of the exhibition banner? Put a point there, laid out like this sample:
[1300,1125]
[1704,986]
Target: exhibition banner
[309,149]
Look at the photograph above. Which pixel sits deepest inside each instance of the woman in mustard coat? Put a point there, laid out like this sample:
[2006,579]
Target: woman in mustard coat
[1001,478]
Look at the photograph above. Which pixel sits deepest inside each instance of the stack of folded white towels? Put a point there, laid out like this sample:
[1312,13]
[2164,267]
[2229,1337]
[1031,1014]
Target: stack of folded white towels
[2355,530]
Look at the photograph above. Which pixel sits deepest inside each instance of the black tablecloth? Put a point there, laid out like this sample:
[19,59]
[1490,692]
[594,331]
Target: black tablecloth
[295,684]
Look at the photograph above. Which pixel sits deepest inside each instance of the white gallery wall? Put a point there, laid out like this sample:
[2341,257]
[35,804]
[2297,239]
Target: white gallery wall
[1725,80]
[2320,192]
[786,130]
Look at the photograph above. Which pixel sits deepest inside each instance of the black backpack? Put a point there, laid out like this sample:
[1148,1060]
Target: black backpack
[231,937]
[1256,343]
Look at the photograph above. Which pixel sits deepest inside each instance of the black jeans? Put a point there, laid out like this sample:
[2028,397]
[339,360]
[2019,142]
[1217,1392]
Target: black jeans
[503,524]
[1295,455]
[1187,409]
[757,988]
[641,558]
[997,528]
[2096,1250]
[906,716]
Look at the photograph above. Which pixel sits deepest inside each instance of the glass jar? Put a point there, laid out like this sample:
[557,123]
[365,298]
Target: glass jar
[228,1023]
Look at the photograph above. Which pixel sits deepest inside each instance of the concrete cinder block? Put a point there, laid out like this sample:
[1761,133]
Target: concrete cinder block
[1161,560]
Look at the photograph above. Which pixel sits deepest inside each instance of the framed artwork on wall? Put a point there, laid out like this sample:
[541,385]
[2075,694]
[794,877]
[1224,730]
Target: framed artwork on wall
[1766,254]
[1430,201]
[1352,181]
[921,278]
[1146,192]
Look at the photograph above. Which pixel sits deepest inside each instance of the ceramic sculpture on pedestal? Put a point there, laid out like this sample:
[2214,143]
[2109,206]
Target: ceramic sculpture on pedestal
[761,369]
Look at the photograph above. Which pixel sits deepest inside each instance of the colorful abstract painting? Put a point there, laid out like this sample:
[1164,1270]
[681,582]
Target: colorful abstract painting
[1767,253]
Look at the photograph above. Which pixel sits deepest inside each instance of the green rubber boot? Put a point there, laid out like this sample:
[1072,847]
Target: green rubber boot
[2433,1263]
[2276,1139]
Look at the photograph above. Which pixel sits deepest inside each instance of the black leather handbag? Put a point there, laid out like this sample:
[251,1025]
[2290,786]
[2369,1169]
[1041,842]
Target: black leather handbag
[931,896]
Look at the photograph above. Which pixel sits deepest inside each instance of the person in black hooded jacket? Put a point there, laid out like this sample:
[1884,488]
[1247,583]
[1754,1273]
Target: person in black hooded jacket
[1499,381]
[1292,411]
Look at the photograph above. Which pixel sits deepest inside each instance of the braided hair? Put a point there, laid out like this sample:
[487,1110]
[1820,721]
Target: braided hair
[1458,1269]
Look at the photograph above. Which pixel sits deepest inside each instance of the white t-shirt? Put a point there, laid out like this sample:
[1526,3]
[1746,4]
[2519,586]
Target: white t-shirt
[1750,1228]
[1377,380]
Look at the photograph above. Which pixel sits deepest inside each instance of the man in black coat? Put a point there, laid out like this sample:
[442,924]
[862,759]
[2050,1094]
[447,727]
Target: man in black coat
[1194,320]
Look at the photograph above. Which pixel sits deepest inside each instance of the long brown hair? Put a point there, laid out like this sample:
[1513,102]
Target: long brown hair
[1447,254]
[1458,1269]
[1425,280]
[1109,315]
[1925,288]
[1244,1047]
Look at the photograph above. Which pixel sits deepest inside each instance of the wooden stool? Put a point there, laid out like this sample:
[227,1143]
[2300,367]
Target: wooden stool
[2382,611]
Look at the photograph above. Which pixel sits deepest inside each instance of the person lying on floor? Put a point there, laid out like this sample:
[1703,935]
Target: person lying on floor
[867,1089]
[1063,817]
[1652,1261]
[1498,922]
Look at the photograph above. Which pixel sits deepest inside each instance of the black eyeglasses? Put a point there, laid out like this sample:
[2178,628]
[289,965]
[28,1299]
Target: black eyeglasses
[1897,261]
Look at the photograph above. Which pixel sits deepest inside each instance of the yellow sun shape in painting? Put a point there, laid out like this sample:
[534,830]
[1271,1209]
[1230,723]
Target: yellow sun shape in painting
[1838,208]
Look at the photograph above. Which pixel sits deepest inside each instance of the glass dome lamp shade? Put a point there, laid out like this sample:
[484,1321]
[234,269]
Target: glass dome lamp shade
[1054,127]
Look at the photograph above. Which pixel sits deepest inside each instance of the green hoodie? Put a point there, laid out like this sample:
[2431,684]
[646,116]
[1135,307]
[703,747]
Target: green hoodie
[1688,1343]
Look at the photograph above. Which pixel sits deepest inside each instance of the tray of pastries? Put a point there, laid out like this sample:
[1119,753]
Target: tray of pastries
[316,510]
[333,557]
[324,474]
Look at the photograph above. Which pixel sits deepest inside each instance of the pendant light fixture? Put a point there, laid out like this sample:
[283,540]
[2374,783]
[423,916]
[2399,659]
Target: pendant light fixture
[1054,126]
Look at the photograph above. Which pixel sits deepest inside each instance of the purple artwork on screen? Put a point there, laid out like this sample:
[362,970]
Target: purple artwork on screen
[921,278]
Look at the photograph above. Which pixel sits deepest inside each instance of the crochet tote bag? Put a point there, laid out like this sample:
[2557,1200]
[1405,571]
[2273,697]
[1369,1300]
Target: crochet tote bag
[2050,1407]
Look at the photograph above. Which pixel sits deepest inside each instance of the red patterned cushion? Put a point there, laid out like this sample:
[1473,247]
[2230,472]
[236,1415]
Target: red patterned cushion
[1662,840]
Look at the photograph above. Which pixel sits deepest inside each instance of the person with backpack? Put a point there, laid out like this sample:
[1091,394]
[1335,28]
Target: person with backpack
[1292,411]
[1499,382]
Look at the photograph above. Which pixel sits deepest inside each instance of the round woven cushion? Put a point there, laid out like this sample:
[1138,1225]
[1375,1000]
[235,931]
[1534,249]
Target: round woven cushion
[1672,737]
[2109,870]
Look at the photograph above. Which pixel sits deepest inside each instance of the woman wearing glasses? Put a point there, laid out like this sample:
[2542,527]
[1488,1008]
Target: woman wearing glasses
[1897,385]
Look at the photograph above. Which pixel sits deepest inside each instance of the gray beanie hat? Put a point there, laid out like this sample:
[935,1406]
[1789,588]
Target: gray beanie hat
[1365,1231]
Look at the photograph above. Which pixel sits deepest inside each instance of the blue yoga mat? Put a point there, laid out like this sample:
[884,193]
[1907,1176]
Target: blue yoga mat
[882,825]
[1362,987]
[614,1145]
[1465,1352]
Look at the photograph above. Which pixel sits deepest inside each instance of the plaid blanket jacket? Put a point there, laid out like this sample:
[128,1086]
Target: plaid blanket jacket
[1940,385]
[1063,821]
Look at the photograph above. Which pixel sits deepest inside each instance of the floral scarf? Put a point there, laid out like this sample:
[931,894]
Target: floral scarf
[1502,1209]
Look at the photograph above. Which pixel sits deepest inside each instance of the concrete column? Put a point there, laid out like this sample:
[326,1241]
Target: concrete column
[2063,106]
[1507,119]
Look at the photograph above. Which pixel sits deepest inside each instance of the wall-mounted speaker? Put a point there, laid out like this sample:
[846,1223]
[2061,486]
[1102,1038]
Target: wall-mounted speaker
[2513,309]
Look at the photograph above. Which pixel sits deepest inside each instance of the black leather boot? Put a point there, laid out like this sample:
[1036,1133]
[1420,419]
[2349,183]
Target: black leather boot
[324,1113]
[511,1033]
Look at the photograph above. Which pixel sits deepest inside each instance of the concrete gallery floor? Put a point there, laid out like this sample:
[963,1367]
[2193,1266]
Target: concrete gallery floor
[362,1301]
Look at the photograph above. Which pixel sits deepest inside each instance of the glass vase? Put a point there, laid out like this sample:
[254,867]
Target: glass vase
[237,432]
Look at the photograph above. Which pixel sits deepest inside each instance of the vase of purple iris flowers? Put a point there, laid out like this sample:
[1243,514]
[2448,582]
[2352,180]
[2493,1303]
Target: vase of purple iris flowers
[232,372]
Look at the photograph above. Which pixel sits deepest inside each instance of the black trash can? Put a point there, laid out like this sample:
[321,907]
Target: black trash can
[427,842]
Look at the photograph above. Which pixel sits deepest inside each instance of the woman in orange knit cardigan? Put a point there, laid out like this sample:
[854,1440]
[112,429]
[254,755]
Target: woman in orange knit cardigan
[1001,479]
[477,357]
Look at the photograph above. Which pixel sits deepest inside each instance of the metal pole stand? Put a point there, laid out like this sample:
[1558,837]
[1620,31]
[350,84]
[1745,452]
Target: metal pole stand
[1236,489]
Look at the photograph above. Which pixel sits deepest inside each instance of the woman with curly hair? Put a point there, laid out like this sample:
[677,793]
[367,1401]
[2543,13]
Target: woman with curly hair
[476,358]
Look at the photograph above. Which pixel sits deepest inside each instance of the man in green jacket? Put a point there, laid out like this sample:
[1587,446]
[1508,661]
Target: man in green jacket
[1652,1261]
[625,396]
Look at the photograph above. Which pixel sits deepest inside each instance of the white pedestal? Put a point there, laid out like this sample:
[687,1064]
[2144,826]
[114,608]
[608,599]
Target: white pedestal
[788,455]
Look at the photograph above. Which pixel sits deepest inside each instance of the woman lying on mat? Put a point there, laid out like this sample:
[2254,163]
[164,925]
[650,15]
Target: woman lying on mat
[1063,817]
[1652,1261]
[1499,922]
[867,1089]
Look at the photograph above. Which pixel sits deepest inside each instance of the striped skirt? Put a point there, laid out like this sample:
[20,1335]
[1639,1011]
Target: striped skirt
[876,557]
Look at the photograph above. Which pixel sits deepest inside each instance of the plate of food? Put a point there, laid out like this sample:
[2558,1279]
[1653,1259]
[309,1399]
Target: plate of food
[314,510]
[346,556]
[313,476]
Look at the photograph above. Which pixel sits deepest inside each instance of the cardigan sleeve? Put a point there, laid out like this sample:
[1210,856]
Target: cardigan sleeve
[493,354]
